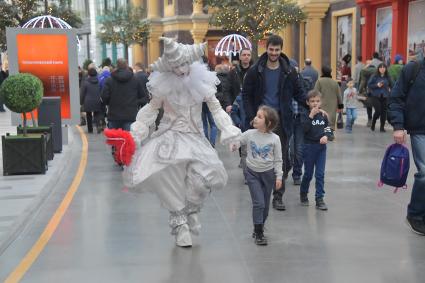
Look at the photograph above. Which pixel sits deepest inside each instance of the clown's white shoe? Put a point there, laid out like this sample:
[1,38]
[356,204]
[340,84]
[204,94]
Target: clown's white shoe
[183,237]
[194,224]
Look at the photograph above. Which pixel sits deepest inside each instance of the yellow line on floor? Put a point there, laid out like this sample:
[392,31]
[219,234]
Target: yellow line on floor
[38,247]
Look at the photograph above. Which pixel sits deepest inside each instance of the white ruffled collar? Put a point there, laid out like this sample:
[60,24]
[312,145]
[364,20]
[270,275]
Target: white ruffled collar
[188,90]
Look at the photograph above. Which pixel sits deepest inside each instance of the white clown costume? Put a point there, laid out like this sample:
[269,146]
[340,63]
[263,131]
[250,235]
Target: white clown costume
[176,161]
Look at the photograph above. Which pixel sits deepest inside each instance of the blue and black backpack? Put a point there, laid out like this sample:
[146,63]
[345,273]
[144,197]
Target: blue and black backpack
[395,167]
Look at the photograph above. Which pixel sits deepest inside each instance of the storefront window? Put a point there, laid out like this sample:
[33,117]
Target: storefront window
[384,23]
[344,44]
[416,33]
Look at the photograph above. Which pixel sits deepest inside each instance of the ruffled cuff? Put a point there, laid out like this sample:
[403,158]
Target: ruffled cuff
[145,118]
[140,132]
[230,134]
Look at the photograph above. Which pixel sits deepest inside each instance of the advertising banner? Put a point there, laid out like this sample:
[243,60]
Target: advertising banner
[46,56]
[50,55]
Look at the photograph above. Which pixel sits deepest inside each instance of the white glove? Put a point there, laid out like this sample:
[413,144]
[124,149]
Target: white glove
[235,145]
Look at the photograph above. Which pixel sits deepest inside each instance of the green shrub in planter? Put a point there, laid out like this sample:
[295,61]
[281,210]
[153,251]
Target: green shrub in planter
[22,93]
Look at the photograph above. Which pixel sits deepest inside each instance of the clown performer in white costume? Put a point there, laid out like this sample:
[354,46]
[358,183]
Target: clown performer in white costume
[177,162]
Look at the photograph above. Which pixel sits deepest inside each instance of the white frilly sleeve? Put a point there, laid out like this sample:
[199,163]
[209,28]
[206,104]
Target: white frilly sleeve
[229,132]
[145,118]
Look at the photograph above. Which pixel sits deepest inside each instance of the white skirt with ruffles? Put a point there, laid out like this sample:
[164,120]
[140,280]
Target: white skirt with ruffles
[173,148]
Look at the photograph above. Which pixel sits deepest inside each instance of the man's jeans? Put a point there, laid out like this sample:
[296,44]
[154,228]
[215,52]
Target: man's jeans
[314,156]
[296,148]
[120,124]
[286,165]
[260,186]
[351,117]
[416,208]
[210,129]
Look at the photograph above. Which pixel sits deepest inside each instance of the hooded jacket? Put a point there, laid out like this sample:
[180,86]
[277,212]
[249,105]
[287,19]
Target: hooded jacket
[290,87]
[236,77]
[223,89]
[90,94]
[123,94]
[406,104]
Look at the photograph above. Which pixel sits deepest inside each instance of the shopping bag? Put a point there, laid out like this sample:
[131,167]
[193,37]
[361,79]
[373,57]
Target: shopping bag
[339,121]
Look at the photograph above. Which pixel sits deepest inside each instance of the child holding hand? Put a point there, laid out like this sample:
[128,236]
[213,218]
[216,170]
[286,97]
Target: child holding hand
[263,170]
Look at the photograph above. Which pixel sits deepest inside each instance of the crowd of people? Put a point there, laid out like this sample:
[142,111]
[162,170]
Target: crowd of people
[115,93]
[286,115]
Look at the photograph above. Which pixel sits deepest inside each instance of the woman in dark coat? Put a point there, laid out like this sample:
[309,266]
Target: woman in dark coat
[90,100]
[379,86]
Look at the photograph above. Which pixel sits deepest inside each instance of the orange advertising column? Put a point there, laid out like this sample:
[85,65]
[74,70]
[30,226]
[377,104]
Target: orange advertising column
[46,56]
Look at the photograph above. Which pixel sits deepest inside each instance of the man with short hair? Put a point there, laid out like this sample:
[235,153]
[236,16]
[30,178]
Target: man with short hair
[123,94]
[142,77]
[365,74]
[376,60]
[273,82]
[357,69]
[406,112]
[309,72]
[237,75]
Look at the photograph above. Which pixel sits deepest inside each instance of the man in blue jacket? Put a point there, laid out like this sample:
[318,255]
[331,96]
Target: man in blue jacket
[273,82]
[406,112]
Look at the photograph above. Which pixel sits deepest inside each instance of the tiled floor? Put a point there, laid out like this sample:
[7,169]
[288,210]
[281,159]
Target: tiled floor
[108,235]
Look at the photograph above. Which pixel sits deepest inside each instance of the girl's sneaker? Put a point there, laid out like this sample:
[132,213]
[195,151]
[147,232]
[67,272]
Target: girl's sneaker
[259,235]
[260,240]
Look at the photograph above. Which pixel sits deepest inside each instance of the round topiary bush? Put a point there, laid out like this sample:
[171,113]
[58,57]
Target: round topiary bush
[22,92]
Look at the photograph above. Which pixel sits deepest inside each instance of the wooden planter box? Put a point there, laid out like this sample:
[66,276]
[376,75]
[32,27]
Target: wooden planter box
[47,131]
[24,155]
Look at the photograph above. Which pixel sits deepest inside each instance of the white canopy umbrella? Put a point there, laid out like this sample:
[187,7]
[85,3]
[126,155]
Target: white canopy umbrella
[231,44]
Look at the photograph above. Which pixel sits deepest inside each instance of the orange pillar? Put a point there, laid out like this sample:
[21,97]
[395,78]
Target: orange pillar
[368,30]
[400,28]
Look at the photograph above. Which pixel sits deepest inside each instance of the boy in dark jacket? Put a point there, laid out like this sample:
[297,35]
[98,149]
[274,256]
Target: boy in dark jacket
[316,135]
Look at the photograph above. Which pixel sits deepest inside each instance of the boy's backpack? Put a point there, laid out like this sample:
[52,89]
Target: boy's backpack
[395,167]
